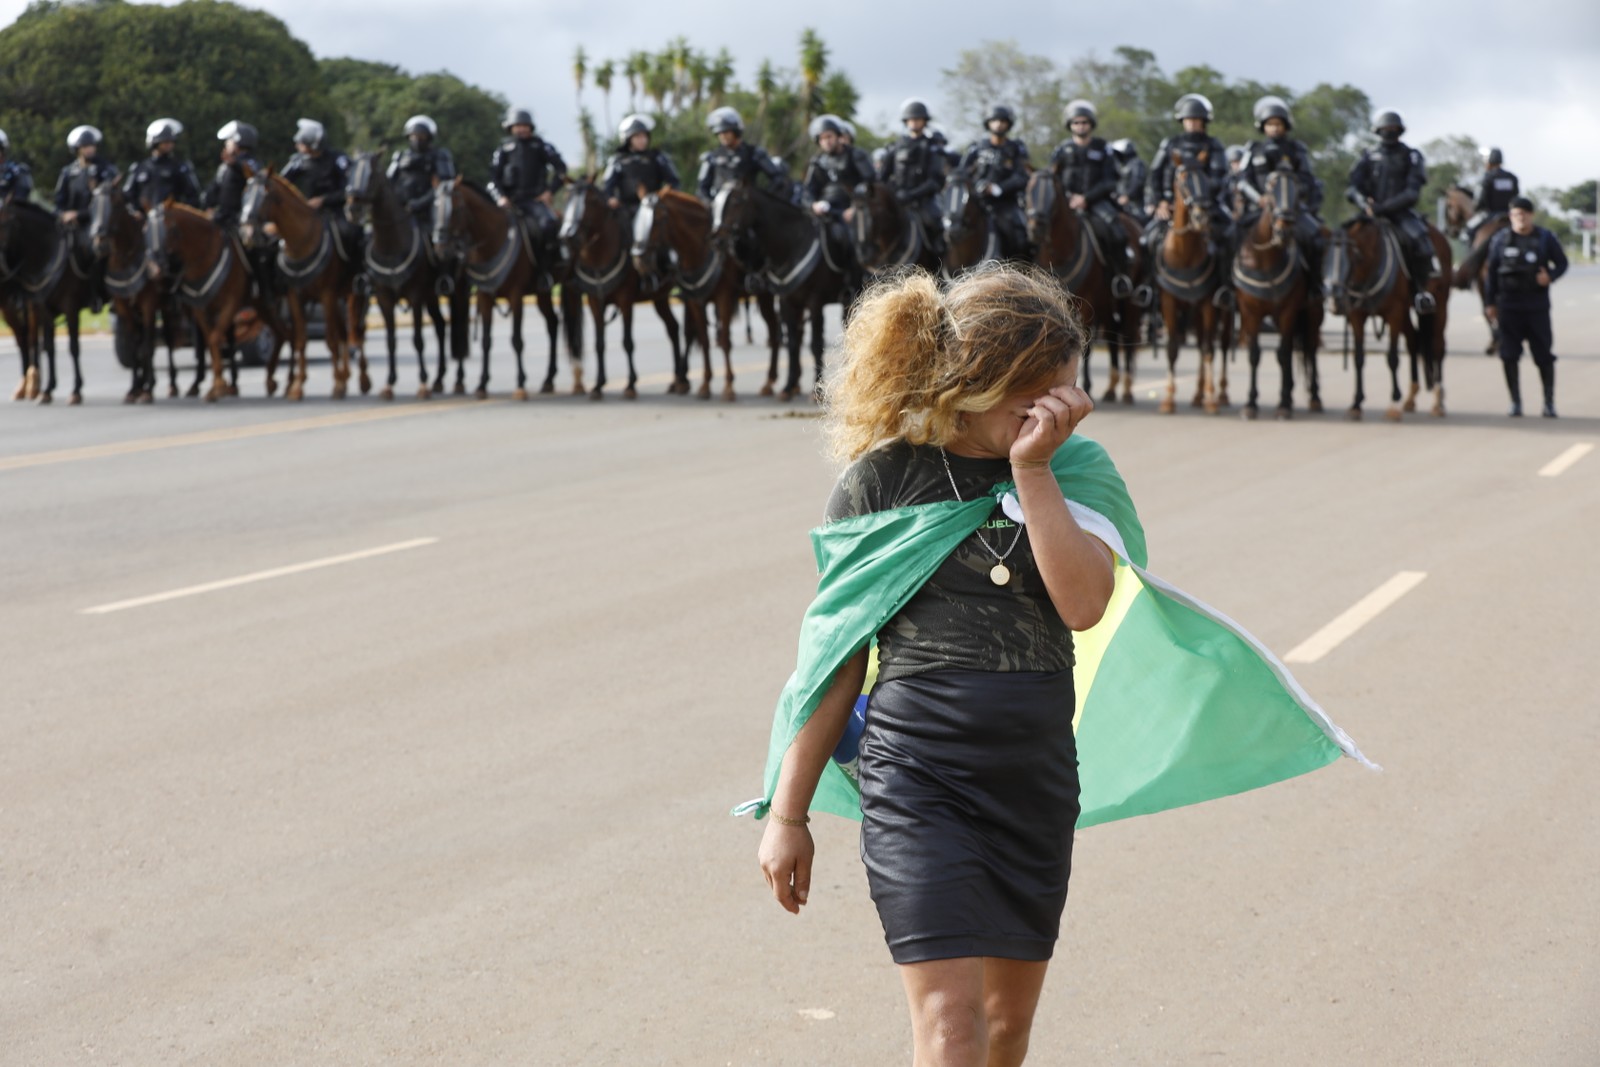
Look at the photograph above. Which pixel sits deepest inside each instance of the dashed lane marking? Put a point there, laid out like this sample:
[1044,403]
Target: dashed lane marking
[1364,611]
[1559,465]
[258,576]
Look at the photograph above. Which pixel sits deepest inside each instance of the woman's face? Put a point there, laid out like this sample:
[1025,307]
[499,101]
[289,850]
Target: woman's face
[990,434]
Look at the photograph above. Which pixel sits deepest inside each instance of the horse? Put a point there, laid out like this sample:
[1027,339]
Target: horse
[674,225]
[793,247]
[43,276]
[1270,277]
[497,256]
[602,269]
[314,257]
[1188,275]
[1457,213]
[1067,247]
[969,236]
[211,272]
[886,236]
[1366,277]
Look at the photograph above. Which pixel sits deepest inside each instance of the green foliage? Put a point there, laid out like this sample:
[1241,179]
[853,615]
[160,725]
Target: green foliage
[371,102]
[1580,197]
[1451,161]
[118,66]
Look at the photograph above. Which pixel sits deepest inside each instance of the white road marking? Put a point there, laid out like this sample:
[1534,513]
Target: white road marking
[258,576]
[1565,460]
[815,1013]
[1364,611]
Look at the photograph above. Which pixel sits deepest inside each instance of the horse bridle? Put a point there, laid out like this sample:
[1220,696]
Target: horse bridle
[1199,216]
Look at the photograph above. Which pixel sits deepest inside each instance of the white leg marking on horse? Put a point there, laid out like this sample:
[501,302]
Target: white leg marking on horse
[1364,611]
[259,576]
[1566,459]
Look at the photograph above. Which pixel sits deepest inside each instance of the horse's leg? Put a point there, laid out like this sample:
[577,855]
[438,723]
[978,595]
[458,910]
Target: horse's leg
[680,341]
[386,311]
[1206,390]
[1285,370]
[445,335]
[338,340]
[486,327]
[356,337]
[1223,343]
[73,348]
[461,334]
[597,312]
[1358,354]
[572,326]
[208,344]
[1414,339]
[777,337]
[1396,331]
[552,325]
[45,393]
[727,308]
[297,351]
[521,391]
[1169,322]
[817,345]
[1249,334]
[702,336]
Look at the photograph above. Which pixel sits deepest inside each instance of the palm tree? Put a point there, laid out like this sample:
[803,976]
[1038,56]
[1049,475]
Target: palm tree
[718,77]
[636,67]
[603,75]
[813,65]
[680,55]
[766,86]
[658,80]
[580,70]
[699,74]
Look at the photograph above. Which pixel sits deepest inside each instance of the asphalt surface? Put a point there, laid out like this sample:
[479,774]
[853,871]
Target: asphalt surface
[465,800]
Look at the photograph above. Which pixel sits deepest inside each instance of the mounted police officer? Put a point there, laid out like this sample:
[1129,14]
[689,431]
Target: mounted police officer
[1524,260]
[1278,151]
[316,170]
[999,169]
[1131,177]
[161,174]
[636,165]
[525,172]
[735,161]
[1088,176]
[16,180]
[936,134]
[1205,154]
[914,169]
[1495,193]
[75,187]
[415,168]
[225,196]
[832,174]
[1386,182]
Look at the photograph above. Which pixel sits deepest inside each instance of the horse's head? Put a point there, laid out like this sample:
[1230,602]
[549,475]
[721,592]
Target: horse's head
[257,208]
[1039,201]
[156,239]
[451,238]
[105,205]
[1457,210]
[1192,188]
[1280,202]
[872,205]
[957,206]
[649,233]
[358,189]
[732,213]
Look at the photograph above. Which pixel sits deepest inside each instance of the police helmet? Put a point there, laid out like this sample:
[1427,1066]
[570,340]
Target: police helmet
[309,132]
[421,124]
[914,109]
[5,142]
[1235,153]
[724,119]
[935,133]
[632,124]
[1192,106]
[1386,120]
[517,116]
[162,130]
[825,124]
[1002,113]
[1493,157]
[242,132]
[1272,107]
[849,129]
[82,135]
[1123,148]
[1079,109]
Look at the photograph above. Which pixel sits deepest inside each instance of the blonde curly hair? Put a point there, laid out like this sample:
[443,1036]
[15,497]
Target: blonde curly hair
[917,354]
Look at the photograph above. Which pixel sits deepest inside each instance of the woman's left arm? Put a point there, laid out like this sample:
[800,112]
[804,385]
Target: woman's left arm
[1076,567]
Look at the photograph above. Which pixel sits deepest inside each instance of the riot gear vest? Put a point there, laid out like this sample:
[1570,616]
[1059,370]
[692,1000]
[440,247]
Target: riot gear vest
[1392,174]
[1003,164]
[1198,151]
[914,166]
[1085,169]
[523,170]
[75,187]
[628,171]
[1267,155]
[832,175]
[722,166]
[1518,262]
[1499,188]
[157,177]
[16,180]
[413,172]
[321,174]
[226,195]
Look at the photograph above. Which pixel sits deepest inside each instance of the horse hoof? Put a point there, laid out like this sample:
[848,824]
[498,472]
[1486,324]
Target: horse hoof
[729,395]
[44,398]
[1283,414]
[294,393]
[146,398]
[547,387]
[766,390]
[1408,406]
[387,393]
[438,388]
[1127,398]
[193,391]
[1168,407]
[519,394]
[1199,401]
[1354,414]
[366,384]
[272,387]
[1437,411]
[630,393]
[130,398]
[1248,412]
[597,393]
[22,391]
[75,400]
[460,389]
[789,393]
[1110,396]
[172,392]
[424,392]
[704,392]
[1393,414]
[338,390]
[1212,408]
[481,393]
[211,397]
[1315,406]
[232,390]
[1222,399]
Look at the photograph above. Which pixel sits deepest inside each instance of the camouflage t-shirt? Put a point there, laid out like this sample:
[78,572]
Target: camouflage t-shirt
[959,618]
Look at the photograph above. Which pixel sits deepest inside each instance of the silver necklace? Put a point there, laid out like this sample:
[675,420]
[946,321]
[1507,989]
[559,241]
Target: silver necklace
[999,574]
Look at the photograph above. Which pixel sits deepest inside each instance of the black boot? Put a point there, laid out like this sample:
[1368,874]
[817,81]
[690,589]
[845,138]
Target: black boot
[1513,386]
[1547,378]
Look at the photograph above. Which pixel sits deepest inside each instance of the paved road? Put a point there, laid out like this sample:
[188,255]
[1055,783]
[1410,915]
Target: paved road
[465,801]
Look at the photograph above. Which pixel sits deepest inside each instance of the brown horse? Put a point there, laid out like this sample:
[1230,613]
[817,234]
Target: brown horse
[792,245]
[211,273]
[44,276]
[1474,269]
[675,225]
[1270,276]
[319,264]
[1366,277]
[969,237]
[496,251]
[1067,247]
[886,236]
[1188,275]
[602,269]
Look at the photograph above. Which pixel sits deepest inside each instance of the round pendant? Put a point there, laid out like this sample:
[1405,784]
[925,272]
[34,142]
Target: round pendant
[1000,574]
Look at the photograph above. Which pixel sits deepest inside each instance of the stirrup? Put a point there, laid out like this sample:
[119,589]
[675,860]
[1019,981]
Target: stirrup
[1424,303]
[1144,296]
[1222,299]
[1121,287]
[444,285]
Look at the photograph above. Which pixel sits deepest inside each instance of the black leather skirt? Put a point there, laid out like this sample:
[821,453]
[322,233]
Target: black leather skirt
[969,798]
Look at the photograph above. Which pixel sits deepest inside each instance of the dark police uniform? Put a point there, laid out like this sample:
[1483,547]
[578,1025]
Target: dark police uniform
[629,170]
[1004,165]
[1190,147]
[1499,188]
[744,162]
[1132,174]
[1523,305]
[225,197]
[321,174]
[156,177]
[831,176]
[524,169]
[16,180]
[1392,175]
[914,169]
[1261,159]
[412,171]
[1089,171]
[75,185]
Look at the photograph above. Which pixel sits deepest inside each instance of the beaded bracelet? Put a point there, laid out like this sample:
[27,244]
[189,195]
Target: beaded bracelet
[784,820]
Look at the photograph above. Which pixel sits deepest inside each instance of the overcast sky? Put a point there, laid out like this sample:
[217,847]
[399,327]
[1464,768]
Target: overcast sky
[1531,86]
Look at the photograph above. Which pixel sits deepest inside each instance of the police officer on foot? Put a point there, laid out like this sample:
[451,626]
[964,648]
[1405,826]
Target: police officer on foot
[161,174]
[1523,261]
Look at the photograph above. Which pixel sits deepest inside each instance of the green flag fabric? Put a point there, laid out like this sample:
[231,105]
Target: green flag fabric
[1176,703]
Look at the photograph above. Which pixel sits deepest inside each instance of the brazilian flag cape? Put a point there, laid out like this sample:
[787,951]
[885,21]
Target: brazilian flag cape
[1176,703]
